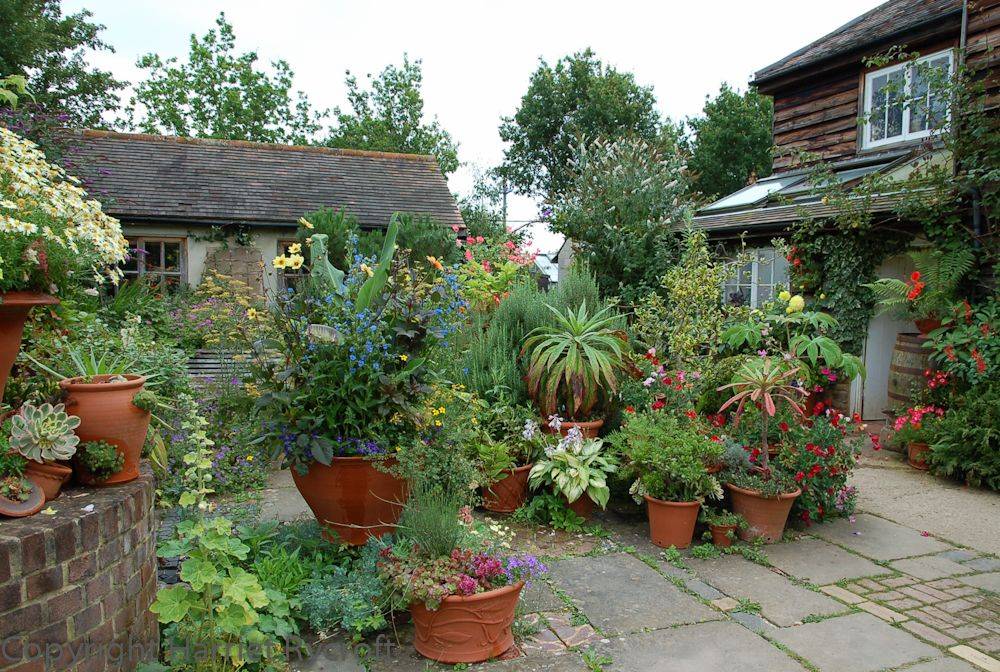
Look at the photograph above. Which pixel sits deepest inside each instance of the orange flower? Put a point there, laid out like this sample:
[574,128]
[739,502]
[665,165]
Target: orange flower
[435,263]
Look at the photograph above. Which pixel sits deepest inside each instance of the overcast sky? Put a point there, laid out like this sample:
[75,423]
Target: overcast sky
[477,56]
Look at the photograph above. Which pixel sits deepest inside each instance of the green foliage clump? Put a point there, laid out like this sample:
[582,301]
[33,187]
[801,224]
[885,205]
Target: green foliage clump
[101,459]
[353,598]
[550,510]
[966,444]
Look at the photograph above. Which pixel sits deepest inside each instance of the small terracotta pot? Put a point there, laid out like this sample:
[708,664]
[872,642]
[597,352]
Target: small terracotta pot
[671,523]
[916,455]
[466,629]
[352,499]
[927,325]
[509,493]
[720,535]
[590,429]
[48,476]
[29,507]
[583,506]
[14,309]
[765,516]
[714,468]
[107,413]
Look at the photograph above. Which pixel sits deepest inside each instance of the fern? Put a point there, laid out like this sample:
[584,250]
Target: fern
[940,273]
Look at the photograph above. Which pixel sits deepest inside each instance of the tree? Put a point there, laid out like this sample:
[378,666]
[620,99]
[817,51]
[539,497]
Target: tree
[390,117]
[731,142]
[37,41]
[579,99]
[221,94]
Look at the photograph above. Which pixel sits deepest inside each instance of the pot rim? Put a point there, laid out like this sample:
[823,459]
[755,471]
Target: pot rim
[48,467]
[714,526]
[755,493]
[75,383]
[665,502]
[347,458]
[27,298]
[478,597]
[588,423]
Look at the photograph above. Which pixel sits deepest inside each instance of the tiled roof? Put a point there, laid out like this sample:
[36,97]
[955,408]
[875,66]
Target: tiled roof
[165,178]
[888,19]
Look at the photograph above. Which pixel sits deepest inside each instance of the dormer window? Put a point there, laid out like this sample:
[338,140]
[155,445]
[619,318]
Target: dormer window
[906,101]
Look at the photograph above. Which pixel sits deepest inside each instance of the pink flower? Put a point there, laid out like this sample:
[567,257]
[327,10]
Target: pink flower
[456,228]
[468,255]
[467,585]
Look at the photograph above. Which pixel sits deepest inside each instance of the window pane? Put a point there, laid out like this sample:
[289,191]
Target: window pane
[764,294]
[780,273]
[877,116]
[886,116]
[153,254]
[172,254]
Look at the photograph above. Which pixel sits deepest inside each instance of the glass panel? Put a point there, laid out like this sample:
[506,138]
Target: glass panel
[930,108]
[745,275]
[764,294]
[755,192]
[780,272]
[172,256]
[131,265]
[877,116]
[153,254]
[894,105]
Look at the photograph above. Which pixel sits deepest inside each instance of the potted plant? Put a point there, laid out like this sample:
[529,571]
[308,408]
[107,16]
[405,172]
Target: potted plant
[19,497]
[505,464]
[763,495]
[44,436]
[97,462]
[573,367]
[666,460]
[52,240]
[576,468]
[915,429]
[722,526]
[459,580]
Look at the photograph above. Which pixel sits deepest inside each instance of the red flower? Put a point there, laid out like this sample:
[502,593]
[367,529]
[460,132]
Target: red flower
[799,476]
[630,409]
[980,362]
[915,276]
[691,414]
[658,404]
[783,426]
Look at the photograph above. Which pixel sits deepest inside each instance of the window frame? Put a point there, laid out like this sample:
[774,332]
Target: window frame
[139,243]
[907,70]
[760,255]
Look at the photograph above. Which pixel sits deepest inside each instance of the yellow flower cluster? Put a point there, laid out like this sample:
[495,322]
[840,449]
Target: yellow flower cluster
[796,304]
[291,260]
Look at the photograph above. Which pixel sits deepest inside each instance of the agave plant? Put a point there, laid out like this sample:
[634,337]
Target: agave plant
[87,364]
[574,363]
[44,433]
[766,383]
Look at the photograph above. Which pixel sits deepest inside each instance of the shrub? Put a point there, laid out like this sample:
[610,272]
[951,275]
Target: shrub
[353,597]
[966,441]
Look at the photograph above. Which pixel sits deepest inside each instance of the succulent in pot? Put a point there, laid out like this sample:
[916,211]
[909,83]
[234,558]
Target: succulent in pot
[44,436]
[578,469]
[97,462]
[19,497]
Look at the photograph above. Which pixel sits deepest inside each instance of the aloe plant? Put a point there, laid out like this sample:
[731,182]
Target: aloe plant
[44,433]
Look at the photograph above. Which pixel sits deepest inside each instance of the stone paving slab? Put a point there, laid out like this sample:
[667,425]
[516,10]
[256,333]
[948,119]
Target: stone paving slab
[990,581]
[943,665]
[878,538]
[619,593]
[854,643]
[781,601]
[697,648]
[984,564]
[539,597]
[931,567]
[820,562]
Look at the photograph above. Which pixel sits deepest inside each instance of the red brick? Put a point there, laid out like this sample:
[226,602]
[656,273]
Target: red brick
[65,604]
[110,524]
[10,596]
[81,567]
[46,581]
[23,620]
[56,633]
[66,541]
[90,531]
[8,555]
[33,556]
[98,587]
[25,666]
[87,620]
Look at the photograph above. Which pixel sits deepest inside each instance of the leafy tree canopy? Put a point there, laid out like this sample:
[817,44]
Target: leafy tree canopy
[37,41]
[219,93]
[578,99]
[390,117]
[731,142]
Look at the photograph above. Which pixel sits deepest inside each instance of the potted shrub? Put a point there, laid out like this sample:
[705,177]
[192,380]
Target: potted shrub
[573,367]
[916,430]
[459,581]
[576,468]
[44,436]
[97,462]
[52,240]
[763,495]
[505,450]
[19,497]
[722,526]
[666,460]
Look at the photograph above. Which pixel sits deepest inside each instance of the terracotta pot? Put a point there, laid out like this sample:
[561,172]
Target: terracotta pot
[927,325]
[352,499]
[916,455]
[48,476]
[583,506]
[590,430]
[671,523]
[29,507]
[714,468]
[107,414]
[509,493]
[14,309]
[765,516]
[720,535]
[466,629]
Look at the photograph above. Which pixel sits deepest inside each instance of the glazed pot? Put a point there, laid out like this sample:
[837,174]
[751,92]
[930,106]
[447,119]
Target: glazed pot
[720,535]
[48,476]
[671,523]
[14,309]
[509,493]
[107,413]
[583,506]
[352,499]
[927,325]
[590,429]
[29,507]
[466,629]
[765,516]
[916,455]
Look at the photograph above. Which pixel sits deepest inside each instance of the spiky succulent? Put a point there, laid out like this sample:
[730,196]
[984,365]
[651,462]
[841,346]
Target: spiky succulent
[44,432]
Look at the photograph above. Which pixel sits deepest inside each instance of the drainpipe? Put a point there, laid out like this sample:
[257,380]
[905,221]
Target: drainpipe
[977,214]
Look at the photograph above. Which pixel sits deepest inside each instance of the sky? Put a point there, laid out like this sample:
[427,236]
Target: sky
[478,56]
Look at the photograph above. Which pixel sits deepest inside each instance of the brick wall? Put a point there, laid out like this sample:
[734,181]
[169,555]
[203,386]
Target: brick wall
[75,587]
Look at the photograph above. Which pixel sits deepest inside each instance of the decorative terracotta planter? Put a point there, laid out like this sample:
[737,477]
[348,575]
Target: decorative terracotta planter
[466,629]
[583,506]
[671,523]
[765,516]
[107,414]
[916,455]
[352,499]
[14,309]
[590,430]
[509,493]
[48,476]
[927,325]
[720,535]
[29,507]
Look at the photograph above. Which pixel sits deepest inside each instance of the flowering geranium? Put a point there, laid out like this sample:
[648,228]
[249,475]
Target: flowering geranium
[491,268]
[51,234]
[916,424]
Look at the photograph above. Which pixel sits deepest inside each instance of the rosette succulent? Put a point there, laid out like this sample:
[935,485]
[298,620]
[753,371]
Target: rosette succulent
[44,433]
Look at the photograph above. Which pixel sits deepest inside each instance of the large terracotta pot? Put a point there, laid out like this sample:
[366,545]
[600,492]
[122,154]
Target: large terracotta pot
[509,493]
[107,414]
[352,499]
[466,629]
[671,523]
[916,455]
[48,476]
[765,516]
[14,309]
[583,506]
[29,507]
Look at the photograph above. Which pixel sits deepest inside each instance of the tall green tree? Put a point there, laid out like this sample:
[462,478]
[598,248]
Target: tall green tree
[390,117]
[731,141]
[49,49]
[219,93]
[578,99]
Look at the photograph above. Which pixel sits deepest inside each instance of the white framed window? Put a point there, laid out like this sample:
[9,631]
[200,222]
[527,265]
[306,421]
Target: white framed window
[756,282]
[159,260]
[289,278]
[902,103]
